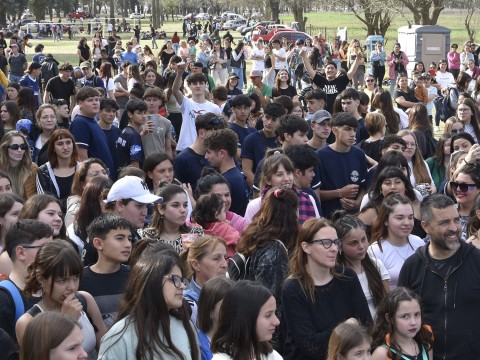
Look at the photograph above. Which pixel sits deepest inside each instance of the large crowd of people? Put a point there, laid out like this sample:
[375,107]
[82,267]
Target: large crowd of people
[225,200]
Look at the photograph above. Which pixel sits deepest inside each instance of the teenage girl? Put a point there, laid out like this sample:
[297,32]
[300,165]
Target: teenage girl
[399,332]
[371,272]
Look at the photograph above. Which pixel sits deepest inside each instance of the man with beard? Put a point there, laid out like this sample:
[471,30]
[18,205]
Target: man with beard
[446,275]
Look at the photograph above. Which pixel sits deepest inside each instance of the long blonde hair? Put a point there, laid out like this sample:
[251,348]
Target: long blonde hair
[20,173]
[420,171]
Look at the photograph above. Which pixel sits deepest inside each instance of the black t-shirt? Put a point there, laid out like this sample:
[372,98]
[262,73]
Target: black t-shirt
[64,185]
[371,149]
[129,147]
[3,64]
[188,166]
[106,289]
[408,96]
[165,57]
[445,266]
[331,87]
[290,91]
[61,89]
[84,51]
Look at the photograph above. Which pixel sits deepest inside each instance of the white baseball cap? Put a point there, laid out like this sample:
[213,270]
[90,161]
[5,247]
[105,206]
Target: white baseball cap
[132,187]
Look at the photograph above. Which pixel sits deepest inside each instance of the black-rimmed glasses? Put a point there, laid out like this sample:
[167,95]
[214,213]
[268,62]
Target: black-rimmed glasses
[327,243]
[177,281]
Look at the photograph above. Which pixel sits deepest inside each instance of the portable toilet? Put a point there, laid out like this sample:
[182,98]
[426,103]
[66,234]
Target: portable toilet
[371,42]
[426,43]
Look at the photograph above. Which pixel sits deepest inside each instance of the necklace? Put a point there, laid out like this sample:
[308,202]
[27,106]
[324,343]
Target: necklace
[408,246]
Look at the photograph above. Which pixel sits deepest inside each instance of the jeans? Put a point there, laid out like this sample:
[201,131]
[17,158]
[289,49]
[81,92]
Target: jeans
[14,78]
[239,72]
[175,47]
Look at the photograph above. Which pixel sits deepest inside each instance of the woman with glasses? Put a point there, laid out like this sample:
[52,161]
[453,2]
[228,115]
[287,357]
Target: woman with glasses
[453,126]
[319,294]
[16,161]
[465,187]
[56,273]
[153,321]
[392,241]
[370,86]
[439,163]
[419,172]
[55,177]
[469,115]
[47,117]
[87,170]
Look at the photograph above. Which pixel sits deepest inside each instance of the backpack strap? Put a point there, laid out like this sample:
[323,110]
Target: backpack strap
[16,296]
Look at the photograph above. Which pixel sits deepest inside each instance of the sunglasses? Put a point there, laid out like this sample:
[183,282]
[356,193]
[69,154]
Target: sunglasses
[177,281]
[462,187]
[456,131]
[369,80]
[18,146]
[327,243]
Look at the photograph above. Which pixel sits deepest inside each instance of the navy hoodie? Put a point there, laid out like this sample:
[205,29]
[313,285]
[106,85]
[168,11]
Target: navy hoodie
[451,305]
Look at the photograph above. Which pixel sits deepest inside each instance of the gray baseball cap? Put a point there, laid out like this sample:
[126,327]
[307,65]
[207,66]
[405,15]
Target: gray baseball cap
[321,116]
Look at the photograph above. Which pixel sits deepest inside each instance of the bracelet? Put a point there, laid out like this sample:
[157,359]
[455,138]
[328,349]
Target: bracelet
[339,195]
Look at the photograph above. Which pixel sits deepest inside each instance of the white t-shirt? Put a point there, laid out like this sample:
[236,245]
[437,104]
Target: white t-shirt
[278,63]
[393,257]
[109,85]
[258,64]
[190,110]
[364,282]
[445,79]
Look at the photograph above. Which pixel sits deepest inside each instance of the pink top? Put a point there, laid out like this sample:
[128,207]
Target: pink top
[227,233]
[453,59]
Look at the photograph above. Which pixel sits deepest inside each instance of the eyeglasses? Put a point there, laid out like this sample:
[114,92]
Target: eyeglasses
[462,187]
[31,246]
[100,172]
[456,131]
[327,243]
[18,146]
[464,109]
[177,281]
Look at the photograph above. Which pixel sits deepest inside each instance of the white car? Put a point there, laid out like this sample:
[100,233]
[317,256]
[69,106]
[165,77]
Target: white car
[233,24]
[202,16]
[137,16]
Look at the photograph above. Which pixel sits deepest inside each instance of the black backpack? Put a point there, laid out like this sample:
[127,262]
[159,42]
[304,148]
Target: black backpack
[49,70]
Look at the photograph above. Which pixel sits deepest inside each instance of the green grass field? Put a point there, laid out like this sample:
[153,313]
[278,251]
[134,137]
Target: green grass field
[327,21]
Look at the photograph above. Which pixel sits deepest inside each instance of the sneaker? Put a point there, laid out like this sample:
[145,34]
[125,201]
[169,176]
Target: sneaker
[437,129]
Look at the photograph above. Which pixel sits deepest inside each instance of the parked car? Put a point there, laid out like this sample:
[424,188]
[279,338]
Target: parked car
[79,15]
[247,29]
[228,15]
[266,34]
[202,16]
[137,16]
[233,24]
[28,16]
[30,27]
[291,36]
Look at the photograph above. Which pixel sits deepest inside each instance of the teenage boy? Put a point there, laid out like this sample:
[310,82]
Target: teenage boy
[157,132]
[111,235]
[280,55]
[189,163]
[61,86]
[89,136]
[193,107]
[256,144]
[289,130]
[220,98]
[22,242]
[221,149]
[343,168]
[18,63]
[305,162]
[263,91]
[129,143]
[329,81]
[108,111]
[241,109]
[89,78]
[321,129]
[350,103]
